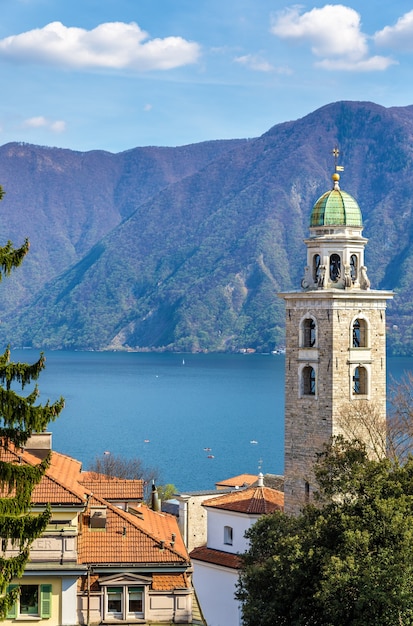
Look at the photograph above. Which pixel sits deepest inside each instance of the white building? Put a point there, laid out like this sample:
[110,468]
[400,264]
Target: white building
[216,564]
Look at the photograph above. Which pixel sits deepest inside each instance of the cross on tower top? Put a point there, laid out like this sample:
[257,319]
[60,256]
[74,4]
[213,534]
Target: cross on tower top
[336,153]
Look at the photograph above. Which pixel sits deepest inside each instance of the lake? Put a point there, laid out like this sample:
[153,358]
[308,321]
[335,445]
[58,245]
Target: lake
[167,408]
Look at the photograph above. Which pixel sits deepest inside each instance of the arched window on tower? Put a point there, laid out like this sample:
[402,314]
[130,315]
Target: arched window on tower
[309,333]
[359,333]
[308,381]
[307,492]
[360,381]
[335,267]
[353,267]
[316,268]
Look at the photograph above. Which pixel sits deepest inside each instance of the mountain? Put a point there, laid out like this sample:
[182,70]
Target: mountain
[186,248]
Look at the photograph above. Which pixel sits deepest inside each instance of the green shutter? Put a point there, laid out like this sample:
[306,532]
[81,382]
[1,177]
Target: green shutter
[12,612]
[45,600]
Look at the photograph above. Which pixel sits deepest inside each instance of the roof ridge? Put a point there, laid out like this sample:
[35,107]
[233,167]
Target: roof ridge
[61,484]
[134,521]
[30,459]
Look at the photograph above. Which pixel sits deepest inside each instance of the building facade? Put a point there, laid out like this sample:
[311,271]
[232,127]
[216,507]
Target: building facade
[105,557]
[335,345]
[216,564]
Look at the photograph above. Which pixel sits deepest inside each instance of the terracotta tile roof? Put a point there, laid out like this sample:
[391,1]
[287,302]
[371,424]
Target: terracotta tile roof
[13,455]
[121,489]
[254,500]
[143,537]
[64,472]
[51,491]
[129,538]
[58,485]
[243,480]
[217,557]
[166,582]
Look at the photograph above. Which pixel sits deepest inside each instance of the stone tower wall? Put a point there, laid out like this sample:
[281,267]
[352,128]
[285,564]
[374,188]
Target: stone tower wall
[311,421]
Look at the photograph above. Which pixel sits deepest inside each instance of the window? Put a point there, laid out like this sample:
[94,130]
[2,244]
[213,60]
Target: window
[34,600]
[359,333]
[135,595]
[353,267]
[309,333]
[124,602]
[360,381]
[307,492]
[335,267]
[114,595]
[29,600]
[308,381]
[228,535]
[316,268]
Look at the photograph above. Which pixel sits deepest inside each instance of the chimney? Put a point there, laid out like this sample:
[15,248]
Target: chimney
[260,480]
[156,505]
[39,444]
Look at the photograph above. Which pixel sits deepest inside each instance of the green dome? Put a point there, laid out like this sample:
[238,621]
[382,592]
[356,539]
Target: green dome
[336,208]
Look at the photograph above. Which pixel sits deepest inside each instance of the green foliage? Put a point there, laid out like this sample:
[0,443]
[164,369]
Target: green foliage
[346,561]
[11,257]
[166,492]
[8,600]
[20,417]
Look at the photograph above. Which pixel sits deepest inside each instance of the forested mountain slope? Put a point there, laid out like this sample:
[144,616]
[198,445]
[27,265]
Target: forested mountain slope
[186,248]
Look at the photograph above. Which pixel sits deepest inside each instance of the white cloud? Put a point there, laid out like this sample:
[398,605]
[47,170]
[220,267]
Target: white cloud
[35,122]
[334,34]
[113,45]
[57,126]
[399,36]
[255,63]
[372,64]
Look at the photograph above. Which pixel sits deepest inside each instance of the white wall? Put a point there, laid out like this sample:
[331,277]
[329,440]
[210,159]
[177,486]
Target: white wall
[218,519]
[69,601]
[215,587]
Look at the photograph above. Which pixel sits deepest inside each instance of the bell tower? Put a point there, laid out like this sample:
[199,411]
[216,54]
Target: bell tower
[335,341]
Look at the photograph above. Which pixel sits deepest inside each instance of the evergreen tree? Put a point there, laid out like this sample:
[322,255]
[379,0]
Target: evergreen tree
[20,416]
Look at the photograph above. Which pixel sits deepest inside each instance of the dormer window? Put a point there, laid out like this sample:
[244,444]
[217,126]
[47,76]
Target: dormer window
[335,267]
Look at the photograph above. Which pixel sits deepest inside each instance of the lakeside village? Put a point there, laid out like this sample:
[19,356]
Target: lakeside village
[106,557]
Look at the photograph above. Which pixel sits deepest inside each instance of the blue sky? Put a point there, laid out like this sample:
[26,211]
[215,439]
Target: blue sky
[116,74]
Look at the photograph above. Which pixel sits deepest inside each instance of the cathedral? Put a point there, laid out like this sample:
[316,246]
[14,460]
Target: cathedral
[335,342]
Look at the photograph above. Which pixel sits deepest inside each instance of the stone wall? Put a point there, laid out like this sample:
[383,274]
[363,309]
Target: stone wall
[311,420]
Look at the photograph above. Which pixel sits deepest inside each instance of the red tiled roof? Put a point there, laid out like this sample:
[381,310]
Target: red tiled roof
[254,500]
[243,480]
[129,538]
[166,582]
[63,472]
[58,485]
[145,537]
[112,488]
[217,557]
